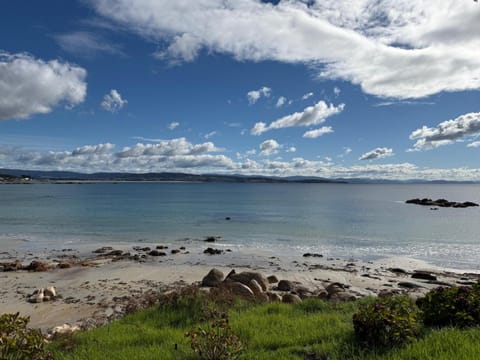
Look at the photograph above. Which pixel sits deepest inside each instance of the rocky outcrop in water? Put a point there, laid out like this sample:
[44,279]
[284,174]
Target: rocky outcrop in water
[441,203]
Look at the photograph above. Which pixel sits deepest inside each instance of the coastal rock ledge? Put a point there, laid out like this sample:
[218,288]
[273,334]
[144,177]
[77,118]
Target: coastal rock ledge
[441,203]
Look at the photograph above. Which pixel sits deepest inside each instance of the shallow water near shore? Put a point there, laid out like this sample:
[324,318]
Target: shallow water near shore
[358,221]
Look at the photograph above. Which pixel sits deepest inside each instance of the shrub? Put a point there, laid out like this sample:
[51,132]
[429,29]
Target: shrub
[215,340]
[387,322]
[19,342]
[457,306]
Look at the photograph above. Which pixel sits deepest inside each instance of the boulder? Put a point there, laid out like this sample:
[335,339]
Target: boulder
[334,288]
[424,275]
[321,294]
[13,266]
[51,292]
[285,285]
[212,251]
[409,285]
[342,296]
[246,276]
[212,238]
[255,287]
[303,291]
[37,296]
[102,250]
[291,299]
[63,329]
[213,278]
[175,251]
[274,297]
[64,265]
[312,255]
[272,279]
[157,253]
[37,266]
[239,289]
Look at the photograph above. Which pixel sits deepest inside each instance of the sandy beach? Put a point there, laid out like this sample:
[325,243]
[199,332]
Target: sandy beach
[96,285]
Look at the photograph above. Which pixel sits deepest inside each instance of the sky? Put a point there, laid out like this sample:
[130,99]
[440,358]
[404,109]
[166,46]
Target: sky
[330,88]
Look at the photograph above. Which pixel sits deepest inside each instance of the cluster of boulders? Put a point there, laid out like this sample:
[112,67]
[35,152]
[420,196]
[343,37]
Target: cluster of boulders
[35,265]
[441,203]
[255,286]
[142,252]
[42,294]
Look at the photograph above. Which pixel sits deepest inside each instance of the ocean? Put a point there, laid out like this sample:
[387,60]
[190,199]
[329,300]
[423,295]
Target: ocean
[337,220]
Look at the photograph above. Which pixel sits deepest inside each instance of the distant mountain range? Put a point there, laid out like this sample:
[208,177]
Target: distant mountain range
[14,175]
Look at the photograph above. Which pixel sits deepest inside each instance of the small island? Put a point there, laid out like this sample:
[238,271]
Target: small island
[441,203]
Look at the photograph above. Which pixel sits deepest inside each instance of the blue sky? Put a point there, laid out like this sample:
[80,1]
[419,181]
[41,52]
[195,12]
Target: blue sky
[349,88]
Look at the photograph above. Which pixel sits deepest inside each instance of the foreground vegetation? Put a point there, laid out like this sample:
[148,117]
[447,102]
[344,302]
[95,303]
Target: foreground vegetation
[183,326]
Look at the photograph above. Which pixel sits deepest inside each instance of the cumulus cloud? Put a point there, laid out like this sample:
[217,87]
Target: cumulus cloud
[378,153]
[446,132]
[255,95]
[172,147]
[173,125]
[313,134]
[421,47]
[269,147]
[31,86]
[281,101]
[312,115]
[86,44]
[93,149]
[113,101]
[291,149]
[474,144]
[336,91]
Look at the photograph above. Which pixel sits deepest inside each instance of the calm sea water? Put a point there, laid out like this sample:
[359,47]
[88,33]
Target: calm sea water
[359,221]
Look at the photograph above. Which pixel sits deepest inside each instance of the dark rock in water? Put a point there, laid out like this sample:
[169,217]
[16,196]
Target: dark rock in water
[228,218]
[441,203]
[102,250]
[175,251]
[161,247]
[213,278]
[285,285]
[157,253]
[183,248]
[212,238]
[212,251]
[423,275]
[312,255]
[13,266]
[63,265]
[114,253]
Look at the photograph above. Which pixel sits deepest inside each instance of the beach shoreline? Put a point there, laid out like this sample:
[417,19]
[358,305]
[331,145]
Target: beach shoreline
[95,286]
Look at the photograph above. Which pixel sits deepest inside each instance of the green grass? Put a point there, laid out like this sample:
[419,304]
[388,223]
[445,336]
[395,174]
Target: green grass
[311,330]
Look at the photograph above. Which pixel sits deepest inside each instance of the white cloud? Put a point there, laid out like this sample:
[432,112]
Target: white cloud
[313,134]
[474,144]
[378,153]
[420,48]
[307,96]
[291,149]
[312,115]
[31,86]
[173,125]
[446,132]
[281,101]
[113,101]
[336,91]
[172,147]
[255,95]
[210,134]
[93,149]
[269,147]
[86,44]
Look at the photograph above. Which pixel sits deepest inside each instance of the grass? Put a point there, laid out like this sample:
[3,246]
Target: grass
[313,329]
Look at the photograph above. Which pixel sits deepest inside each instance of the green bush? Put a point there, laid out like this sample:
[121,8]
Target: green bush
[387,322]
[19,342]
[215,340]
[457,306]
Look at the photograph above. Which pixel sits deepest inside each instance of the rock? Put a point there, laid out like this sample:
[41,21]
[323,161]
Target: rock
[64,265]
[303,291]
[213,278]
[342,296]
[63,329]
[13,266]
[423,275]
[175,251]
[211,238]
[183,248]
[255,287]
[37,296]
[285,285]
[334,288]
[274,297]
[114,253]
[441,203]
[246,276]
[321,294]
[50,292]
[37,266]
[161,247]
[102,250]
[272,279]
[157,253]
[212,251]
[239,289]
[312,255]
[291,299]
[409,285]
[397,270]
[228,218]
